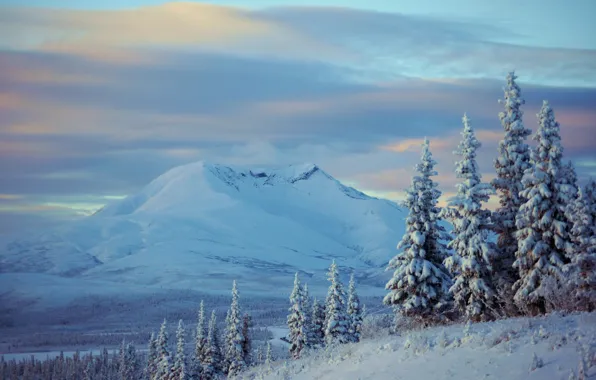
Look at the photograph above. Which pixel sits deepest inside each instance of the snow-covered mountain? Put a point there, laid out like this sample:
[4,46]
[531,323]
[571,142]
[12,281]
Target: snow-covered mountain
[200,225]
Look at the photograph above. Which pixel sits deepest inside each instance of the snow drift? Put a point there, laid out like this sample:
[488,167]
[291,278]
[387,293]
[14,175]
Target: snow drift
[542,348]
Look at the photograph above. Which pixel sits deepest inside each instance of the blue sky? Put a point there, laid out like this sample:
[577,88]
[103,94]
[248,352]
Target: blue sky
[98,98]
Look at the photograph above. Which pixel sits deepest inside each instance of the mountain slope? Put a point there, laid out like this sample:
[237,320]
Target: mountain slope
[201,225]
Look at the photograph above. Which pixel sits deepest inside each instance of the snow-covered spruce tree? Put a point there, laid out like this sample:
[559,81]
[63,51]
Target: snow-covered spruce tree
[543,231]
[225,363]
[152,358]
[318,323]
[211,363]
[295,320]
[247,345]
[200,342]
[129,364]
[354,312]
[336,317]
[582,251]
[164,365]
[420,284]
[513,160]
[308,321]
[471,264]
[234,339]
[179,368]
[568,193]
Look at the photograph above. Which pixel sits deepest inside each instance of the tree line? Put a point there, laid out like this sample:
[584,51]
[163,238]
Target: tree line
[311,325]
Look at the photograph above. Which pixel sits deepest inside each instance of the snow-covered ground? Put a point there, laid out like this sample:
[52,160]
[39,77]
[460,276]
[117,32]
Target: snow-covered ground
[498,350]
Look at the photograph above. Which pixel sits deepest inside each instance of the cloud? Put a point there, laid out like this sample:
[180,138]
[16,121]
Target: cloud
[129,35]
[364,46]
[75,129]
[391,45]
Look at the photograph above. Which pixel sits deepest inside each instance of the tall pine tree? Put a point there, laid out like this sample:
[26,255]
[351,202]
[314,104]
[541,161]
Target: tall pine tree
[354,312]
[296,318]
[541,220]
[471,265]
[179,367]
[129,363]
[212,360]
[420,284]
[582,251]
[336,318]
[318,323]
[307,308]
[234,339]
[164,365]
[152,358]
[247,345]
[200,342]
[513,160]
[568,194]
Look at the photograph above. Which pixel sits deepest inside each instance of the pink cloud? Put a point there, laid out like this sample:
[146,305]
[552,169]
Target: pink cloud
[122,36]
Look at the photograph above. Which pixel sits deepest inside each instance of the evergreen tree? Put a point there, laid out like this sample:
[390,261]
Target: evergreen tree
[512,162]
[336,319]
[225,362]
[541,221]
[420,284]
[234,338]
[129,363]
[247,344]
[179,368]
[296,320]
[200,342]
[307,314]
[583,248]
[318,323]
[354,312]
[471,265]
[88,374]
[163,354]
[566,195]
[152,358]
[211,364]
[269,356]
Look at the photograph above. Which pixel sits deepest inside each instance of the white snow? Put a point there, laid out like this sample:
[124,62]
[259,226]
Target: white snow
[495,350]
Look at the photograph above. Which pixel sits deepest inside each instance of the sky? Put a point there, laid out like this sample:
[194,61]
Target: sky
[97,98]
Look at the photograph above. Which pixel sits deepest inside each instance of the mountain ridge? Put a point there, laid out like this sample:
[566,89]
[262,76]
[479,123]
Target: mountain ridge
[202,224]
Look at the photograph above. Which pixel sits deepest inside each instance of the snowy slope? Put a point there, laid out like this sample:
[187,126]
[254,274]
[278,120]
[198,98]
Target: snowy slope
[497,350]
[200,225]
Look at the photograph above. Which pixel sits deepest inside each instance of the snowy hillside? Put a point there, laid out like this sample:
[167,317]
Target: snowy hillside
[495,350]
[200,225]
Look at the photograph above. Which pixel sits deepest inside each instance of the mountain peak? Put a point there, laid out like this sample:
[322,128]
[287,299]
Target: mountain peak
[267,175]
[204,186]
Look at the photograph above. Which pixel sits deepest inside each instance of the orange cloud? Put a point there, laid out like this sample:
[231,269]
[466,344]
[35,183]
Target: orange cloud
[122,35]
[576,118]
[414,145]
